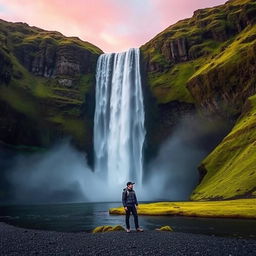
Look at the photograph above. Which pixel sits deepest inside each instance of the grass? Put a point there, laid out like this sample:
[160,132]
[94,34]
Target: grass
[19,100]
[230,167]
[86,83]
[107,228]
[70,125]
[240,208]
[170,86]
[56,38]
[169,79]
[43,99]
[232,53]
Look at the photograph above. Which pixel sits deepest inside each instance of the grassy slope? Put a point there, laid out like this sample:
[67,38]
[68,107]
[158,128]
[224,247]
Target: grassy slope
[240,208]
[232,51]
[169,85]
[169,82]
[42,98]
[231,167]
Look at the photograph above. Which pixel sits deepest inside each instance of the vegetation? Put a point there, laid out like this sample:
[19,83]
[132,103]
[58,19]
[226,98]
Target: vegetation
[34,83]
[196,45]
[165,228]
[209,60]
[230,168]
[240,208]
[107,228]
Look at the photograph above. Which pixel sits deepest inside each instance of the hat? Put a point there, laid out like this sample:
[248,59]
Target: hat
[130,183]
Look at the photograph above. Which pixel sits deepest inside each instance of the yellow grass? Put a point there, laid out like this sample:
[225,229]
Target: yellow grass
[165,228]
[239,208]
[107,228]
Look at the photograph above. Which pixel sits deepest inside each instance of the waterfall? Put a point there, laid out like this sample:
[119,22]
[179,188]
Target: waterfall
[119,131]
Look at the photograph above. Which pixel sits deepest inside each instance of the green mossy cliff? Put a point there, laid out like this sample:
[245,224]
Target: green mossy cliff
[177,58]
[209,62]
[230,169]
[46,86]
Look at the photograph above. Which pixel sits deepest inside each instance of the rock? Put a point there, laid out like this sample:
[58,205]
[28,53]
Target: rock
[66,82]
[49,60]
[175,50]
[6,67]
[46,87]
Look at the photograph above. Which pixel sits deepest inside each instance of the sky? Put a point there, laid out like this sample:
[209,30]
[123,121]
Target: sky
[112,25]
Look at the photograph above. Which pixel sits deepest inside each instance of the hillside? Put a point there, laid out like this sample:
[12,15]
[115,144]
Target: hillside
[230,169]
[46,87]
[209,62]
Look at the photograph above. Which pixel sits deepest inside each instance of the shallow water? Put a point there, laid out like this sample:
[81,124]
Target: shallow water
[76,217]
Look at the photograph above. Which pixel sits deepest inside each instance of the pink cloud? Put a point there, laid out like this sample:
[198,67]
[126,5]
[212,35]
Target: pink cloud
[172,11]
[112,25]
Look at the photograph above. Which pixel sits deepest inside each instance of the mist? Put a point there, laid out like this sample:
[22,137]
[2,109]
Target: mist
[173,173]
[58,175]
[62,174]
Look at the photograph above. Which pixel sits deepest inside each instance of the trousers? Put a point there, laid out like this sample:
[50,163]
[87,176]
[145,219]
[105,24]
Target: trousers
[135,216]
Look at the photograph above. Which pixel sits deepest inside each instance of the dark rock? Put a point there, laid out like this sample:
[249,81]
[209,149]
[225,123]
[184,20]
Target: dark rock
[176,50]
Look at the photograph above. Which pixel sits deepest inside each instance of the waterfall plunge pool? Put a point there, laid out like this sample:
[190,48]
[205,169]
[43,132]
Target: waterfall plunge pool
[78,217]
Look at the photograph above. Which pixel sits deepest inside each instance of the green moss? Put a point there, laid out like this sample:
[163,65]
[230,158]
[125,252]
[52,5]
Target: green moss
[42,91]
[53,107]
[107,228]
[55,38]
[231,169]
[171,85]
[208,47]
[19,100]
[232,53]
[165,228]
[86,82]
[211,44]
[240,2]
[240,208]
[70,125]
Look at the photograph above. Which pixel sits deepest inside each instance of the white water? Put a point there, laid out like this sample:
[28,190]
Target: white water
[63,175]
[119,131]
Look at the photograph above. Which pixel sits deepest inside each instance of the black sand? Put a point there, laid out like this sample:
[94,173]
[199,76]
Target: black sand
[20,241]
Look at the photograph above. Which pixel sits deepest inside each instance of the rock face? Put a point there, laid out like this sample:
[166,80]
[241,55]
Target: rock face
[6,68]
[46,86]
[206,62]
[51,60]
[226,81]
[176,50]
[186,39]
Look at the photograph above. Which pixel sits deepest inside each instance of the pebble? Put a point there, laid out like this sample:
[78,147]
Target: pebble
[20,241]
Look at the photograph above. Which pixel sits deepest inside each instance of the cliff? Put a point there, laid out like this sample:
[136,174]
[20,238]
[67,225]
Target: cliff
[46,87]
[230,169]
[208,61]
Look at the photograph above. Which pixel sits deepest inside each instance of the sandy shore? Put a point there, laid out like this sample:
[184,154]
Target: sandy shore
[20,241]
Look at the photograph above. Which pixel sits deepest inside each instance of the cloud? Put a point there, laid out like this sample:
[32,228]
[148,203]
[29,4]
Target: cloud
[112,25]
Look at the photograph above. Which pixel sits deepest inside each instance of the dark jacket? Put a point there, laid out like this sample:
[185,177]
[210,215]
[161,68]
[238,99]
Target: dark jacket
[129,197]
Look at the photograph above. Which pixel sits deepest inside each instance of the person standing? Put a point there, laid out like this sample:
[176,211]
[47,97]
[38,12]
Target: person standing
[130,204]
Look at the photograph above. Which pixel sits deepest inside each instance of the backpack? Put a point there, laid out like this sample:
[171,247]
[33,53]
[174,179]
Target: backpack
[127,193]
